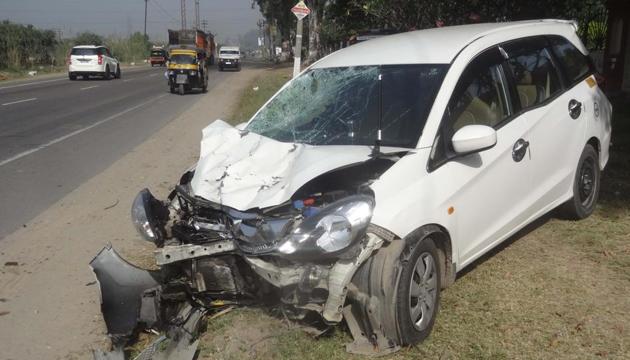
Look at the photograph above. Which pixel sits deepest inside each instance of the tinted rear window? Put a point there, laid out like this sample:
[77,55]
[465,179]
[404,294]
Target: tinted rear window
[574,63]
[84,51]
[157,53]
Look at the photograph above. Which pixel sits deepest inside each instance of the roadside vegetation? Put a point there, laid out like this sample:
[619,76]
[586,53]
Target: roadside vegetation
[260,90]
[24,48]
[558,289]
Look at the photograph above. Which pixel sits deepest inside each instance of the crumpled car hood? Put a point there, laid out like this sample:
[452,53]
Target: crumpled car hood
[252,171]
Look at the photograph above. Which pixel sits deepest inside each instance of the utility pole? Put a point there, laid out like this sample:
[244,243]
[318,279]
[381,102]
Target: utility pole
[197,14]
[204,23]
[145,18]
[300,10]
[183,10]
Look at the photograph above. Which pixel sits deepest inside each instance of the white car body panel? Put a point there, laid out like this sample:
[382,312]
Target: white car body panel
[491,196]
[252,171]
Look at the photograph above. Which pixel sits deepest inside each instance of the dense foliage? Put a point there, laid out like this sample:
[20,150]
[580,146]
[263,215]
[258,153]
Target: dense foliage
[335,21]
[24,46]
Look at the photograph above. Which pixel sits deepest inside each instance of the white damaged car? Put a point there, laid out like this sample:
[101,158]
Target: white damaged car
[360,189]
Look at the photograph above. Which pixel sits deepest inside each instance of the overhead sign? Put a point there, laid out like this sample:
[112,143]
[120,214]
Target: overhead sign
[300,10]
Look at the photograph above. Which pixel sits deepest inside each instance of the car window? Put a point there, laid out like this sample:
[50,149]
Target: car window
[407,94]
[575,64]
[535,75]
[84,51]
[480,97]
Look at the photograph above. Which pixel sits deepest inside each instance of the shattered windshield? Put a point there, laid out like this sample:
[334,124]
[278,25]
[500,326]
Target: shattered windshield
[346,106]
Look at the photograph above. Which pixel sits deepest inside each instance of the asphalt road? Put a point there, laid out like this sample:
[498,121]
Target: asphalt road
[56,133]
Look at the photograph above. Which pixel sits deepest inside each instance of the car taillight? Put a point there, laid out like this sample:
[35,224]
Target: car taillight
[100,59]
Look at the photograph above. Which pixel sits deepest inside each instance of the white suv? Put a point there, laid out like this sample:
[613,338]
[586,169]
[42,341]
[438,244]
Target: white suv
[230,57]
[365,184]
[90,60]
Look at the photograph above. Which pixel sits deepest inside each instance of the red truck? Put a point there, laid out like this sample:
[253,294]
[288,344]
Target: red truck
[193,39]
[158,57]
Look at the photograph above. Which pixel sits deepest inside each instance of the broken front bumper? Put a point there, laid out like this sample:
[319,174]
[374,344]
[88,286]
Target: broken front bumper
[133,298]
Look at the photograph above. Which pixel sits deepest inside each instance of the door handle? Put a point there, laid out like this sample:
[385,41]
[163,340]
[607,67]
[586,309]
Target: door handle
[575,108]
[519,150]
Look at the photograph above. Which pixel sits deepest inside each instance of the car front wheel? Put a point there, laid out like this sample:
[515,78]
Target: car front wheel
[397,292]
[586,186]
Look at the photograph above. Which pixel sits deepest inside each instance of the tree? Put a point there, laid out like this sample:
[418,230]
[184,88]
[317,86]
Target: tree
[88,38]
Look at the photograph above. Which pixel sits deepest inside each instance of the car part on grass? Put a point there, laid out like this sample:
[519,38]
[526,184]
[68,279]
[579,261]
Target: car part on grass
[122,286]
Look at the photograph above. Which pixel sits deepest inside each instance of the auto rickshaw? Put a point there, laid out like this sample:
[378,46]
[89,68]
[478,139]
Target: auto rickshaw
[186,70]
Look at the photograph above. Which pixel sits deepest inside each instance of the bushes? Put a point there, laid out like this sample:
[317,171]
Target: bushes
[24,46]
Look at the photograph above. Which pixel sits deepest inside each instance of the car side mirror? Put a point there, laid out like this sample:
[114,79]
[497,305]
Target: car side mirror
[474,138]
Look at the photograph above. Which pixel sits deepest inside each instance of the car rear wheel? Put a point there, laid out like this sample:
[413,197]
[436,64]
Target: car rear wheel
[586,186]
[108,75]
[118,74]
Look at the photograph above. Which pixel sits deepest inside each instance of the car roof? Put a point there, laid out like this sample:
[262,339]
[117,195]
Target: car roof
[433,46]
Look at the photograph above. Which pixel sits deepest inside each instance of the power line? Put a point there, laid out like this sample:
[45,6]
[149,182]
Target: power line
[163,11]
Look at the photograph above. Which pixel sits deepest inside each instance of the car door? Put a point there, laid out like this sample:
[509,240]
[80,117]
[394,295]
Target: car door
[556,117]
[490,188]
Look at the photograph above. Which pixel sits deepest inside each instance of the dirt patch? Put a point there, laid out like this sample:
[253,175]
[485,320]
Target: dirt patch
[242,334]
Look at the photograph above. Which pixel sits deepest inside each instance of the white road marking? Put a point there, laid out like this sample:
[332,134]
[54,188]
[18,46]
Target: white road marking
[18,101]
[77,132]
[31,83]
[89,87]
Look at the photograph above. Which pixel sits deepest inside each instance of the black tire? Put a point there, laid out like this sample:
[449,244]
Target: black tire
[118,74]
[410,334]
[586,185]
[384,283]
[72,77]
[181,89]
[108,75]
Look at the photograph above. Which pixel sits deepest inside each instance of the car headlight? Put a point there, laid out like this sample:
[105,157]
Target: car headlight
[147,214]
[332,230]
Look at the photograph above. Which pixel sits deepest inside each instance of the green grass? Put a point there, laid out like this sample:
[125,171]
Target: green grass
[560,289]
[258,92]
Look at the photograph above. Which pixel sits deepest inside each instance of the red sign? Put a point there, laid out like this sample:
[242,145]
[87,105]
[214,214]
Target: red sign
[300,10]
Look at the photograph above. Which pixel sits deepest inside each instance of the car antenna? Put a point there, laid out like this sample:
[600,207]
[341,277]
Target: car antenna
[376,150]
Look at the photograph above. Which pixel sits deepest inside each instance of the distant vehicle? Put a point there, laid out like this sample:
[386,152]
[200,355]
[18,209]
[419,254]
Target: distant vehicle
[186,70]
[90,60]
[229,57]
[196,40]
[158,57]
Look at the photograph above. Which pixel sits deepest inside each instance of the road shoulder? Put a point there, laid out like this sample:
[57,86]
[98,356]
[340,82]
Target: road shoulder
[48,295]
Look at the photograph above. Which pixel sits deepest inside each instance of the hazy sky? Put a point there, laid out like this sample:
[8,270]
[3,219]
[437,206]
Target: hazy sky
[226,18]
